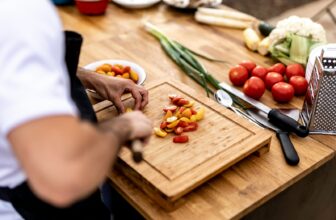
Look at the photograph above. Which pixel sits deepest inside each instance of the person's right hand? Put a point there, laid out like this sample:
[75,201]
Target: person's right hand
[140,127]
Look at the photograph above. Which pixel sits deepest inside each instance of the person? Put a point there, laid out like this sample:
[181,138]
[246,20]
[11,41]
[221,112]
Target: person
[51,162]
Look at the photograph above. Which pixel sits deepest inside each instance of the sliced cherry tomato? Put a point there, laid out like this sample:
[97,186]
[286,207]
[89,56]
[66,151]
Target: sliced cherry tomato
[238,75]
[193,112]
[171,108]
[278,68]
[182,102]
[178,130]
[163,125]
[192,126]
[175,100]
[183,124]
[181,139]
[172,96]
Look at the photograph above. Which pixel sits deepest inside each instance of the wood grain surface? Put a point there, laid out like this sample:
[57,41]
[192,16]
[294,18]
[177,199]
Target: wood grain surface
[247,185]
[172,170]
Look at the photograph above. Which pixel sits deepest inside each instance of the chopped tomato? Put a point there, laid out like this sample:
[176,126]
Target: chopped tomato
[193,112]
[178,130]
[181,139]
[183,124]
[117,70]
[175,100]
[192,126]
[172,96]
[182,102]
[163,124]
[171,108]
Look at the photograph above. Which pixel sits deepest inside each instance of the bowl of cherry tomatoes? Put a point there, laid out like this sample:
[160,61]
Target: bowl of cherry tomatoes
[120,69]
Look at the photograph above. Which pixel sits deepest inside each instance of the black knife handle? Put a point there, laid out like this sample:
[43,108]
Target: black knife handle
[286,123]
[288,149]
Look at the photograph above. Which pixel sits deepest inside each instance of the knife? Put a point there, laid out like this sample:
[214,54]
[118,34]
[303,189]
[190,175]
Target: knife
[291,156]
[282,121]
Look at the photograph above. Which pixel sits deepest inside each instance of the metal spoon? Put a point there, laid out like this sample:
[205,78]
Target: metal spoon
[225,99]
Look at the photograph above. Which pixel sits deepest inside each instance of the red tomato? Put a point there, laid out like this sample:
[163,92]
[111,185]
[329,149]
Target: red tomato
[181,139]
[172,96]
[282,92]
[117,70]
[163,125]
[272,78]
[300,85]
[254,87]
[126,69]
[278,68]
[249,65]
[183,124]
[192,126]
[260,72]
[238,75]
[294,70]
[182,102]
[178,130]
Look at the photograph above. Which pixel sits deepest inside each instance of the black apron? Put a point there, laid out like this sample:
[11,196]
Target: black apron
[28,205]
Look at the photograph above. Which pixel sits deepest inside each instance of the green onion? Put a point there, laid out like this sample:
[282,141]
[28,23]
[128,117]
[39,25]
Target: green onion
[186,60]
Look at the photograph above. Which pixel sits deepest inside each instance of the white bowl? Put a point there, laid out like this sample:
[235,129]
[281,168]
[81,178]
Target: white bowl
[138,69]
[135,4]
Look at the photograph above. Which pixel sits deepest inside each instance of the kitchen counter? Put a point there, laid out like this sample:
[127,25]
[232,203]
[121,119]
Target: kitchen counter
[246,187]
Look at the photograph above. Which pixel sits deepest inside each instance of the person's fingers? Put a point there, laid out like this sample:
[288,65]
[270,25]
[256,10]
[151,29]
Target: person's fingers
[118,104]
[144,94]
[137,97]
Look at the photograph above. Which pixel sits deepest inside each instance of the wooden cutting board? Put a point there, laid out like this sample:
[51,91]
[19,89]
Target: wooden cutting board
[170,170]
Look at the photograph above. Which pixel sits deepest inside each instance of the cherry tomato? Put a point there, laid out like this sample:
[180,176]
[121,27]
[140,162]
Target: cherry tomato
[278,68]
[183,124]
[282,92]
[182,102]
[171,108]
[178,130]
[172,96]
[272,78]
[249,65]
[238,75]
[163,125]
[181,139]
[116,70]
[260,72]
[126,69]
[300,85]
[254,87]
[294,70]
[192,126]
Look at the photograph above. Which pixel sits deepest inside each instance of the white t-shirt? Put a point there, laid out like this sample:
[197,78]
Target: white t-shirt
[33,78]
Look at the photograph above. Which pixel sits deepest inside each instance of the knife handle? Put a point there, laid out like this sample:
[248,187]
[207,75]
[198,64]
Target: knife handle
[137,150]
[288,149]
[287,123]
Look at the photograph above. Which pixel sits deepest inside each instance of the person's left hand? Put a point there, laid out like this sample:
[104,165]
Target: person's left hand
[112,88]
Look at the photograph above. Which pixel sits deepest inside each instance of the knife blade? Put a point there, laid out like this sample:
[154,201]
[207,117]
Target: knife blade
[288,149]
[282,121]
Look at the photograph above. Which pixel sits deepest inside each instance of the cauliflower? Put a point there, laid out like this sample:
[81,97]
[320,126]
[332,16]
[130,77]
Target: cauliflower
[304,27]
[293,38]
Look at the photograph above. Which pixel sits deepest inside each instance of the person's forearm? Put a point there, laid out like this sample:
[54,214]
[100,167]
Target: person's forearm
[69,162]
[88,78]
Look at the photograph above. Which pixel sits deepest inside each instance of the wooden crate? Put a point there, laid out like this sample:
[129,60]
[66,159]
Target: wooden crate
[169,170]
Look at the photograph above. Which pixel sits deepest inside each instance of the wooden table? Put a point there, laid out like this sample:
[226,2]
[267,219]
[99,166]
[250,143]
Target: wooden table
[248,184]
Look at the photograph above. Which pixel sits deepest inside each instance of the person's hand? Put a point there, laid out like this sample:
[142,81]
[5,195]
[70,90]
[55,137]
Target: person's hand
[128,127]
[140,126]
[112,88]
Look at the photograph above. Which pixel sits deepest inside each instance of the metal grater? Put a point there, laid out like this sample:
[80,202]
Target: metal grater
[319,107]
